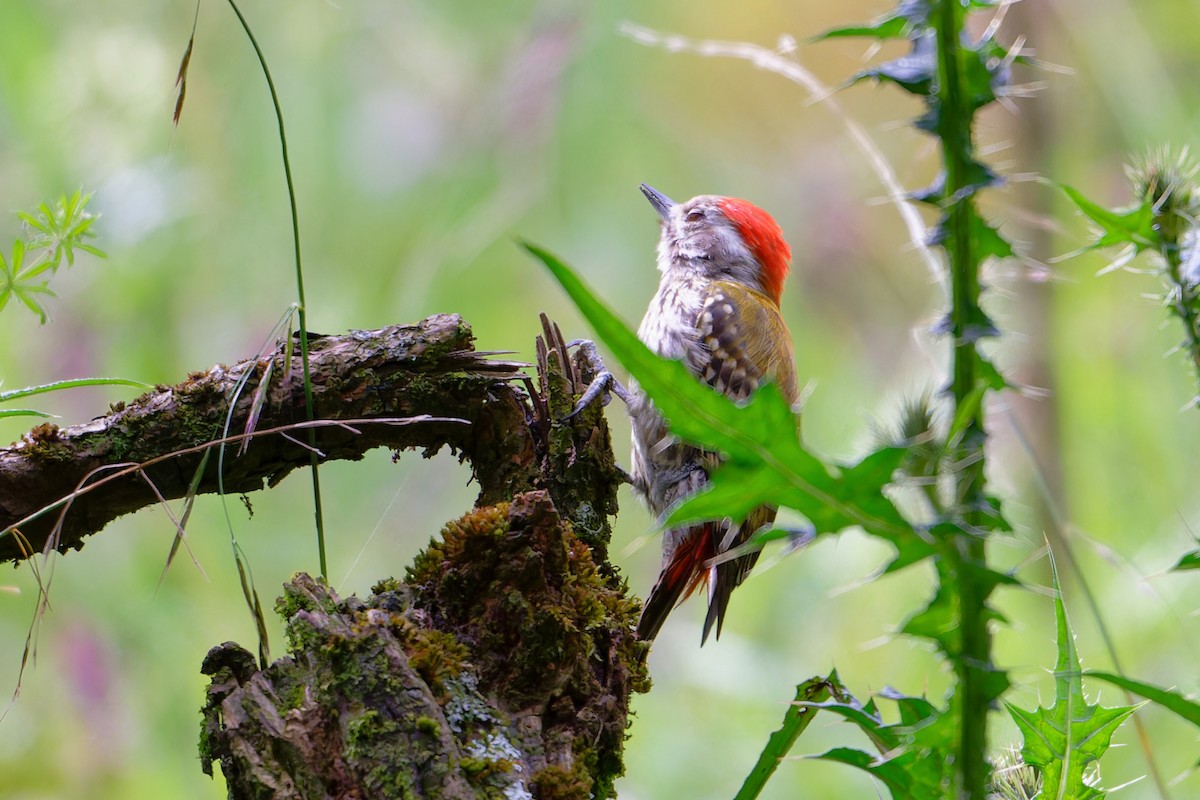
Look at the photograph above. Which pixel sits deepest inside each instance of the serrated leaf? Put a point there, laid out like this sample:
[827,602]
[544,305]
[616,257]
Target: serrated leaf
[991,376]
[1063,741]
[990,242]
[938,620]
[914,72]
[739,490]
[886,738]
[968,407]
[913,710]
[890,27]
[984,71]
[999,521]
[988,379]
[1133,226]
[933,194]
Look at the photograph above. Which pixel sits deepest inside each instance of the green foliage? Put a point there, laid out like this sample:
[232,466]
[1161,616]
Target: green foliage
[907,20]
[795,720]
[1064,741]
[915,756]
[1188,561]
[52,235]
[955,77]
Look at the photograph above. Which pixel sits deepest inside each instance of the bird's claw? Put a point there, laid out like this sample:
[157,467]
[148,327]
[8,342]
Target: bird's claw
[603,382]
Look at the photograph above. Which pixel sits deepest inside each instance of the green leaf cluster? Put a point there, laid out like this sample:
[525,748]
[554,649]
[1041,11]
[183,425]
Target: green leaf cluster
[915,755]
[52,235]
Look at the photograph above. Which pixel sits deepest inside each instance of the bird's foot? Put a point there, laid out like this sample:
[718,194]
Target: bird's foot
[603,384]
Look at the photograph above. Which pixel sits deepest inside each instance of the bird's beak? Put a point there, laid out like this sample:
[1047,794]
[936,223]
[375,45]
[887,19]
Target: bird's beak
[662,204]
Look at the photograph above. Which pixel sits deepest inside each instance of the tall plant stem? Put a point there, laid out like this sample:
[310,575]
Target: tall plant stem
[302,321]
[973,663]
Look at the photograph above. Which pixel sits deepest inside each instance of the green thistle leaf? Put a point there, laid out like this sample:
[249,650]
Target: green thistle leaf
[1064,741]
[1117,227]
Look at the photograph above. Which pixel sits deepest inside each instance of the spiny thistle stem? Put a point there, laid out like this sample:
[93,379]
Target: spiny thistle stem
[1182,298]
[301,318]
[973,662]
[1166,182]
[1183,301]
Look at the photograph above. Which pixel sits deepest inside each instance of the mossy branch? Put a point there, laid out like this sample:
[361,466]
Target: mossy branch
[403,371]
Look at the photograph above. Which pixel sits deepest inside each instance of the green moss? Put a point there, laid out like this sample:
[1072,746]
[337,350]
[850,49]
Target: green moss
[387,585]
[436,656]
[557,783]
[300,635]
[44,444]
[514,582]
[366,736]
[475,768]
[364,732]
[490,776]
[292,697]
[429,726]
[295,600]
[458,538]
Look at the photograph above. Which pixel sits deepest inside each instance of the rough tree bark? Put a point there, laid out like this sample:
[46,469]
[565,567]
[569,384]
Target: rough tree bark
[501,665]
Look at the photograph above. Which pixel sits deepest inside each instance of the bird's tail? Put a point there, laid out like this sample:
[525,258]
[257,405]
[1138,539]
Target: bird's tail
[728,575]
[681,576]
[687,571]
[722,580]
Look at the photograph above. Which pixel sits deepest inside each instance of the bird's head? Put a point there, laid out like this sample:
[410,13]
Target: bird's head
[723,238]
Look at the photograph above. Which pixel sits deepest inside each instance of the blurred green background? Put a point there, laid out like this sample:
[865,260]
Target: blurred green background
[425,137]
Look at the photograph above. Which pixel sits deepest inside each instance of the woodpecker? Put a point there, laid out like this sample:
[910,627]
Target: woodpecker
[723,262]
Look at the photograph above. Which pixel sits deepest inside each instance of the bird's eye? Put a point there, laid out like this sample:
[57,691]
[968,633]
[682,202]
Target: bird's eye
[694,216]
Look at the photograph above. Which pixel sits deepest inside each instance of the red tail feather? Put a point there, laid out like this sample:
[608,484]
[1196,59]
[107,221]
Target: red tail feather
[682,575]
